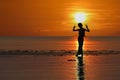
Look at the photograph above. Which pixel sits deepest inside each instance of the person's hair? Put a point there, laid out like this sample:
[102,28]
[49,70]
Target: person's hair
[80,25]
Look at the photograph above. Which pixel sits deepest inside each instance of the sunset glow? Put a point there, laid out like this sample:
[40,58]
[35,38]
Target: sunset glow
[56,18]
[80,17]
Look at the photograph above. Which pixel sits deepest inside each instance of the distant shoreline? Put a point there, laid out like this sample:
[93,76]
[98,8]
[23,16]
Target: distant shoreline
[56,52]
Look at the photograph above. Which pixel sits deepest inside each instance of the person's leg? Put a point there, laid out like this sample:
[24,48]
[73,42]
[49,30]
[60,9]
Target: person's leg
[80,50]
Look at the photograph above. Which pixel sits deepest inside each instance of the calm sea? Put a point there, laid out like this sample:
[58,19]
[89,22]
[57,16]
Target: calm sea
[58,43]
[30,67]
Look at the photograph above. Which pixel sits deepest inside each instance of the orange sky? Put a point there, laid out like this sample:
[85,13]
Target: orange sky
[53,17]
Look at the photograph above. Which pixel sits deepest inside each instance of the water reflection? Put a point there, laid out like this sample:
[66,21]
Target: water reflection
[80,68]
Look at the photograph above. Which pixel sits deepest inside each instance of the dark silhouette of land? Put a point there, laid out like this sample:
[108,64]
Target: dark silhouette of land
[56,52]
[81,36]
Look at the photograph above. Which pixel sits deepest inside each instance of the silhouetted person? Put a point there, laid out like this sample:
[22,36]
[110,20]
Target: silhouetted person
[81,38]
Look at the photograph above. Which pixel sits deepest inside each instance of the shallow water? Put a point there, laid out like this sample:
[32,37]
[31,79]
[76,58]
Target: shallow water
[26,67]
[102,67]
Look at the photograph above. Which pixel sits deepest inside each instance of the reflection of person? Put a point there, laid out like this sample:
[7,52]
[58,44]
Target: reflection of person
[81,37]
[80,69]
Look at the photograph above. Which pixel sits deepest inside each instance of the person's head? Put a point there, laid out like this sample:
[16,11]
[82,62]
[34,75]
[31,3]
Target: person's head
[80,25]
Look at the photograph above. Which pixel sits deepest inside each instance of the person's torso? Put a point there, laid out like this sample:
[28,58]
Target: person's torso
[81,32]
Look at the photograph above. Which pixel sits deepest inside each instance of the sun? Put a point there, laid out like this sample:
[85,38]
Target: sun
[80,17]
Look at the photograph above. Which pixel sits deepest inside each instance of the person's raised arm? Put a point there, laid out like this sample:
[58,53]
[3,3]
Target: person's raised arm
[75,29]
[87,29]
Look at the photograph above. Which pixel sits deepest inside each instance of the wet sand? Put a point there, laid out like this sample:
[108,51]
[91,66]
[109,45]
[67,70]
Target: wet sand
[46,67]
